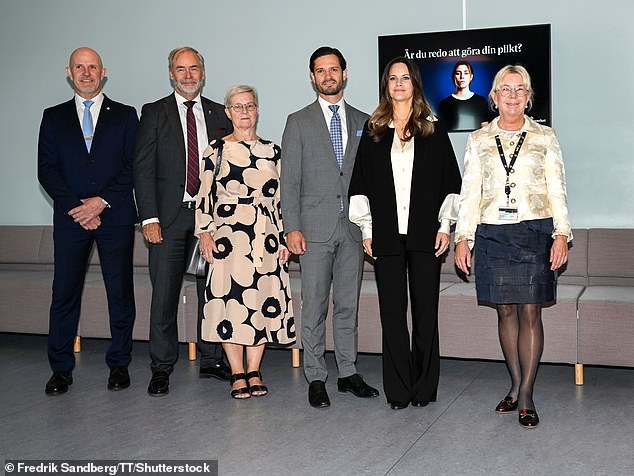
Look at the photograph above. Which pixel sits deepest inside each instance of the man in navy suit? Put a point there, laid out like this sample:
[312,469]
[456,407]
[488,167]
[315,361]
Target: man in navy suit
[85,164]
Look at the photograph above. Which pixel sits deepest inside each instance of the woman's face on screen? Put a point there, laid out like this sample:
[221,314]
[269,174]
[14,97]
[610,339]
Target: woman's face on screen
[462,77]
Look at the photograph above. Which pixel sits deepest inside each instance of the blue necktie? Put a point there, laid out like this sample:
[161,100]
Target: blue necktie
[337,139]
[335,134]
[86,124]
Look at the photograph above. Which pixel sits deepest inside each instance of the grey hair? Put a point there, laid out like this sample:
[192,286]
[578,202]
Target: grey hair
[181,49]
[239,89]
[511,69]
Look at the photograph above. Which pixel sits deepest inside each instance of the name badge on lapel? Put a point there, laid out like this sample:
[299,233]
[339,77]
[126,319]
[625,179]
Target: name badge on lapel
[359,132]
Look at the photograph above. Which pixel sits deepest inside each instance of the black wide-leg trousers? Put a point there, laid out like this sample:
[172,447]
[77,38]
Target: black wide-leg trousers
[410,369]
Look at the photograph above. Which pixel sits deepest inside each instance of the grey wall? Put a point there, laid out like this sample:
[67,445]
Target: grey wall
[267,44]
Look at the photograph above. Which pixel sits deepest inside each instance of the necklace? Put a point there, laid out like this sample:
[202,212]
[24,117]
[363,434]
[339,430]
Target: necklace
[399,126]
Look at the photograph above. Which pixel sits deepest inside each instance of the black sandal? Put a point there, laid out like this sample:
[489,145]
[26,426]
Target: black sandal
[256,388]
[236,393]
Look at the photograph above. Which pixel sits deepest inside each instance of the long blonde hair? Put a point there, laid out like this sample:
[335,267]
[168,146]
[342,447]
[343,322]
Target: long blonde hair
[418,124]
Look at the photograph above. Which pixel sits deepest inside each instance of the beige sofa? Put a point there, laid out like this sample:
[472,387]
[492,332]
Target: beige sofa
[26,276]
[592,322]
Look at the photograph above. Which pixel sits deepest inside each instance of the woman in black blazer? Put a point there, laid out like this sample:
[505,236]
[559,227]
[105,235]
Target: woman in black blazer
[405,180]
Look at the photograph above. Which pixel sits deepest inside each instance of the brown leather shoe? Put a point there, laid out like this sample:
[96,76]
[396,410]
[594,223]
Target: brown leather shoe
[507,405]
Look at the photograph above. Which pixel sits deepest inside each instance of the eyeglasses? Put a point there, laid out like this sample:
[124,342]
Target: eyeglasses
[242,107]
[521,91]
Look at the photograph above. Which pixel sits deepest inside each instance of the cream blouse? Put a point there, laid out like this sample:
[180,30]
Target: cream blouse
[538,182]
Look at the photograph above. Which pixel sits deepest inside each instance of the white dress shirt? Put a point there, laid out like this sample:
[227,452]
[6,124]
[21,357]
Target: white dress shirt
[94,109]
[402,158]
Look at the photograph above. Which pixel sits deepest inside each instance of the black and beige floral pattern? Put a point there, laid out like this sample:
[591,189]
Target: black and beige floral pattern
[248,297]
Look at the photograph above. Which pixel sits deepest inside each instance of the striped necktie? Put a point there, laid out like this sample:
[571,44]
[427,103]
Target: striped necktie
[193,166]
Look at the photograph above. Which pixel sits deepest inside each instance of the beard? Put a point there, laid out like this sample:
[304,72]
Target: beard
[331,90]
[192,87]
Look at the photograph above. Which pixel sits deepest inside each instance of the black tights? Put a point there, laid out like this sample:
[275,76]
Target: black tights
[522,341]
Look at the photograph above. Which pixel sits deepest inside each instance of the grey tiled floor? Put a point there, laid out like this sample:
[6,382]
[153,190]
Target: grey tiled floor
[585,430]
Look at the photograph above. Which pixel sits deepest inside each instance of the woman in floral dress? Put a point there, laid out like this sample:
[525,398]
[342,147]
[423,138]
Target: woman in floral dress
[238,220]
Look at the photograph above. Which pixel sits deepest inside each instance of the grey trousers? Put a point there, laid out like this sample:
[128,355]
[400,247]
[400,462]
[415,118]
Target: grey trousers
[339,262]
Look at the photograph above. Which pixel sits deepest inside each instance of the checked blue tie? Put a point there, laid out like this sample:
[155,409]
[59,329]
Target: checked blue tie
[86,124]
[337,139]
[335,134]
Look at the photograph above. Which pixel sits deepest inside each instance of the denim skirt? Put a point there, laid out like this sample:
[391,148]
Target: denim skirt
[512,263]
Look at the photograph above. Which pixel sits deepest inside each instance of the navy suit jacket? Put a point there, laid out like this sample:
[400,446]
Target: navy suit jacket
[68,172]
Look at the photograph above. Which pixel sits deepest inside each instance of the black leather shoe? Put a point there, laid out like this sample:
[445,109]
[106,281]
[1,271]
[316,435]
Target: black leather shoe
[398,405]
[219,370]
[357,386]
[58,384]
[119,378]
[528,418]
[420,403]
[159,384]
[317,395]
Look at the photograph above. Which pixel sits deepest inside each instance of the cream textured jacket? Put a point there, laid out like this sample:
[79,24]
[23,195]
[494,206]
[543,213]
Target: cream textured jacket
[538,181]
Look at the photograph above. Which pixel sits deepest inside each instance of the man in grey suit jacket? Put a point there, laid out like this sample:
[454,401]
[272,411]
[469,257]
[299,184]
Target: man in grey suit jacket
[172,134]
[318,150]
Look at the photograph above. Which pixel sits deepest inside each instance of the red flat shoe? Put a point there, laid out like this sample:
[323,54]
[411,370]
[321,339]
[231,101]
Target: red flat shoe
[507,405]
[528,418]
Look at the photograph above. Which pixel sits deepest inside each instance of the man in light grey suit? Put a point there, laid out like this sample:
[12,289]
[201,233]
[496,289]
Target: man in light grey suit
[319,146]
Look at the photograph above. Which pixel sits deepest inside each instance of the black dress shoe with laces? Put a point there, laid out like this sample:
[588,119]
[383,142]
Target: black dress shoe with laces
[119,378]
[159,384]
[317,395]
[58,384]
[219,370]
[355,384]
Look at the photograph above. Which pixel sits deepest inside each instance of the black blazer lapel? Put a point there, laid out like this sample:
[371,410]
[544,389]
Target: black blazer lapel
[171,112]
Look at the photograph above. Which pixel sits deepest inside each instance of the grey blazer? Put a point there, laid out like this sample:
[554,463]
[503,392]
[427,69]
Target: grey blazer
[312,186]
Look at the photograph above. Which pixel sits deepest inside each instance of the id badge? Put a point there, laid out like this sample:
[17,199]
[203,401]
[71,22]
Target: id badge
[508,214]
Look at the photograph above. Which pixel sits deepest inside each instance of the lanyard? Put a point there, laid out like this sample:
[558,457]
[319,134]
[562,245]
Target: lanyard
[509,167]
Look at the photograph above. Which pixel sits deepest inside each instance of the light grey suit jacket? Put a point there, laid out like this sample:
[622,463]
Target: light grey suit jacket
[312,186]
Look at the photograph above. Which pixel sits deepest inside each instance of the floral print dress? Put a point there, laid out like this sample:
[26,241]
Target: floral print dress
[248,295]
